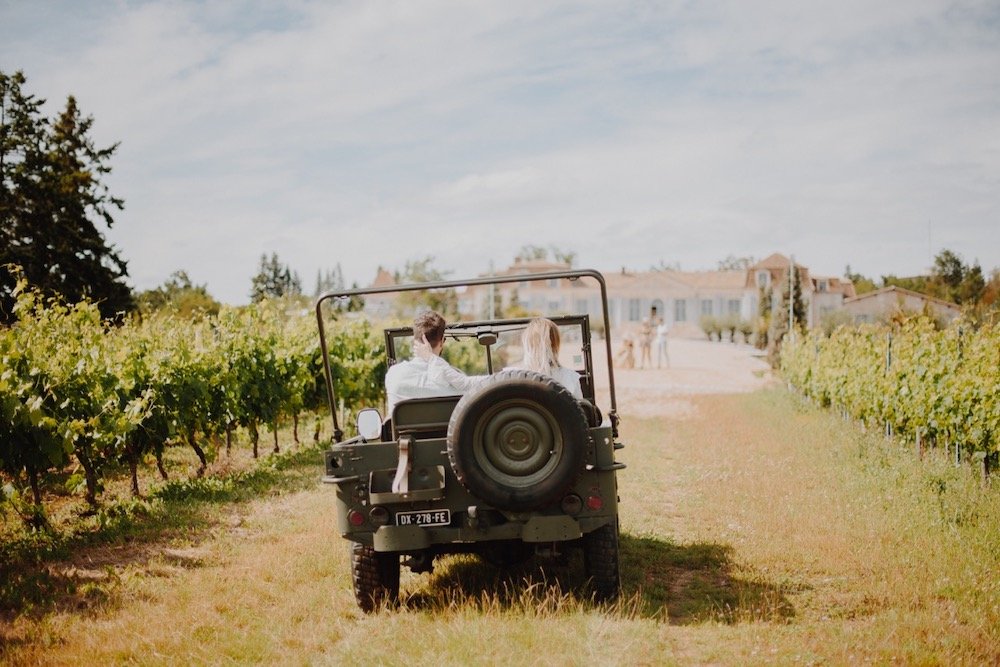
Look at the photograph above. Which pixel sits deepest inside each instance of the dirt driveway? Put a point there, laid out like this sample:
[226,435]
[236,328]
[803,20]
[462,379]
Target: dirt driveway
[696,367]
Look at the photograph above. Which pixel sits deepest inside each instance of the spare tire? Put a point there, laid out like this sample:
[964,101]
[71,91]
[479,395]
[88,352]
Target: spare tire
[518,441]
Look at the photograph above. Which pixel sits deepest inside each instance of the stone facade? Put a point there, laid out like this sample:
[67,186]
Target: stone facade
[680,297]
[883,303]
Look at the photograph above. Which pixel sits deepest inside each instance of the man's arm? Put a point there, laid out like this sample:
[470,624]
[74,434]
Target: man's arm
[441,373]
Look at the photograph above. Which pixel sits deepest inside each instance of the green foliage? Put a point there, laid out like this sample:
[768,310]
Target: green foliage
[180,296]
[862,284]
[950,278]
[274,280]
[725,327]
[73,388]
[954,280]
[529,253]
[946,383]
[762,325]
[467,355]
[728,325]
[734,263]
[829,322]
[746,328]
[410,303]
[52,197]
[710,325]
[779,316]
[357,364]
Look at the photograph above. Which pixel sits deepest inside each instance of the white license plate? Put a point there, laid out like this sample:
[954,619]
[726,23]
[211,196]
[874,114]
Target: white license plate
[424,518]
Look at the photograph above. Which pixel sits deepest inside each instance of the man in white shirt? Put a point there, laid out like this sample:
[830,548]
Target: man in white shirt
[410,378]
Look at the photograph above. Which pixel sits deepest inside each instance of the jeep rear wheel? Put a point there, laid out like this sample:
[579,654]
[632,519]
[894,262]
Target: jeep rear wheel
[376,577]
[600,561]
[518,441]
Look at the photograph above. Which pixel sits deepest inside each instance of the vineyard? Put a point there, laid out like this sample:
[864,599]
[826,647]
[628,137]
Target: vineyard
[939,387]
[83,397]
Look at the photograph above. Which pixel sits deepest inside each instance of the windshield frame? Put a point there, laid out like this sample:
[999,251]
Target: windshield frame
[572,275]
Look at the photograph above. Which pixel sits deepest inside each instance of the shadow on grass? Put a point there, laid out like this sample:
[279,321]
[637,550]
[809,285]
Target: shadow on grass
[683,584]
[78,570]
[694,583]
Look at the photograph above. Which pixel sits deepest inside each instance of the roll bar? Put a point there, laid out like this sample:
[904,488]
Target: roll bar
[338,434]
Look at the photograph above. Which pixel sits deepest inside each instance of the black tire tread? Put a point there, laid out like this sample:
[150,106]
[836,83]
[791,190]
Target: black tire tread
[601,562]
[375,576]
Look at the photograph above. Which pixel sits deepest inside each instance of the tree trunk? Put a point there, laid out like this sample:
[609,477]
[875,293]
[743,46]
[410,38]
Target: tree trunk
[36,489]
[316,429]
[158,452]
[229,438]
[37,519]
[90,475]
[133,468]
[201,454]
[254,437]
[275,427]
[295,428]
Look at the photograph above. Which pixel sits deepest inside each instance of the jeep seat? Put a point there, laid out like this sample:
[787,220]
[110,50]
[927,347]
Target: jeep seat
[423,417]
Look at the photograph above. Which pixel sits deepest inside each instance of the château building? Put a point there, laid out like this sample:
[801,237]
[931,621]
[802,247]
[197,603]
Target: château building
[680,297]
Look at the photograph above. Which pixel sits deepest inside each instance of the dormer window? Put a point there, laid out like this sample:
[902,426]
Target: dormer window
[763,278]
[822,286]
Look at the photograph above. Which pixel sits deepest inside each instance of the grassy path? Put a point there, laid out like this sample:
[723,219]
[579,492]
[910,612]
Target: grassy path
[755,530]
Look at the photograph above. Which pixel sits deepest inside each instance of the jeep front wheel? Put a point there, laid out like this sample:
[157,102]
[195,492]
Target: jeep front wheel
[376,577]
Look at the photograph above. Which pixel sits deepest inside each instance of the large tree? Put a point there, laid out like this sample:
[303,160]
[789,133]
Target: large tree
[953,279]
[333,280]
[950,278]
[274,280]
[52,202]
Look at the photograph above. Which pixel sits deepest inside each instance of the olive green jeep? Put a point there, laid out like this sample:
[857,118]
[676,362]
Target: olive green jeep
[515,467]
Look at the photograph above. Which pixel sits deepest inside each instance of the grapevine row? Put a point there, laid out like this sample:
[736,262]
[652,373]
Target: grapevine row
[74,391]
[942,384]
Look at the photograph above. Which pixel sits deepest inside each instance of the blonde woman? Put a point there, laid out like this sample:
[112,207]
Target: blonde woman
[540,342]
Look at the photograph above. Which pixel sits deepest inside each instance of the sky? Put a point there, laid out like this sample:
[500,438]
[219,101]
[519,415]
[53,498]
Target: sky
[635,134]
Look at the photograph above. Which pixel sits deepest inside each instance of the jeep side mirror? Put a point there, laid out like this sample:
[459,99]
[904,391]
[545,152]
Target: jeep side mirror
[369,424]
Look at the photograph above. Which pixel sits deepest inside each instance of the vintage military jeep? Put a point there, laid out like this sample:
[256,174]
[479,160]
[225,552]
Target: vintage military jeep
[516,466]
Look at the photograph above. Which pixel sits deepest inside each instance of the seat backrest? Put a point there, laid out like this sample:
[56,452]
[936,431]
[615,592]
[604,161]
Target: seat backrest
[423,417]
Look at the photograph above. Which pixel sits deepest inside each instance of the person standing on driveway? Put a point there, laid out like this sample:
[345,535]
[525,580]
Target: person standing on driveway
[646,343]
[661,344]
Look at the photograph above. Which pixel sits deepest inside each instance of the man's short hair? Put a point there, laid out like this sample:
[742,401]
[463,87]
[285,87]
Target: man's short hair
[429,324]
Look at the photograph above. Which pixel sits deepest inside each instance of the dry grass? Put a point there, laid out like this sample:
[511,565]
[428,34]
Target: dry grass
[755,531]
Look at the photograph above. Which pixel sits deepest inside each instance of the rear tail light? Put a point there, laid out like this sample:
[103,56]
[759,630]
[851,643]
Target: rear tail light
[355,518]
[571,504]
[379,516]
[595,503]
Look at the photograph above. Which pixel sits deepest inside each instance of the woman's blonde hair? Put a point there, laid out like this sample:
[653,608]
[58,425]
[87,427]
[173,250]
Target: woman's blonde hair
[541,346]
